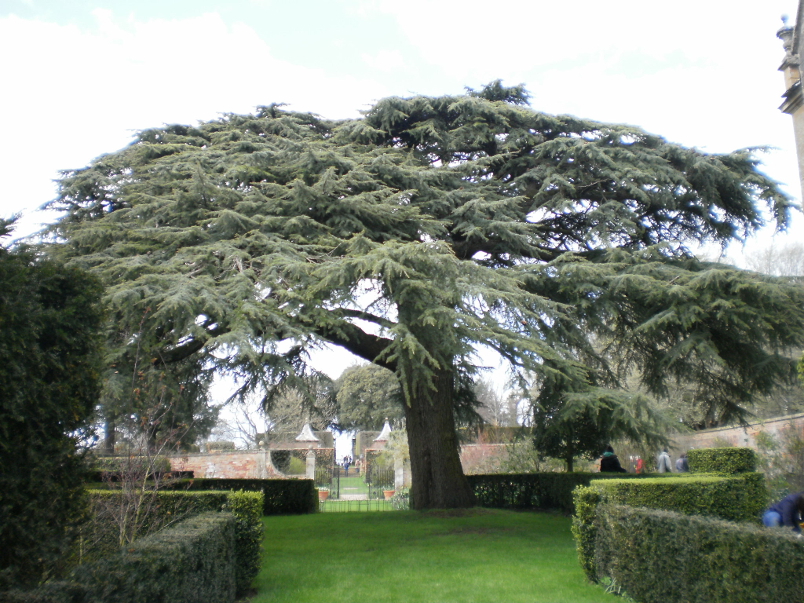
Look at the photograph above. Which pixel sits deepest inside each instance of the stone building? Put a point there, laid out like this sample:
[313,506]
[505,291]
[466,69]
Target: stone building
[793,42]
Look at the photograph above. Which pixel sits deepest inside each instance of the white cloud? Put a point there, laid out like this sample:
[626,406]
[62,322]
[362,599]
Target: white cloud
[519,35]
[697,73]
[385,60]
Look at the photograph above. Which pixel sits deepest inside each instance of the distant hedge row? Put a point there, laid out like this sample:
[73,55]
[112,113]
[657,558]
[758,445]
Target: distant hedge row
[535,490]
[281,496]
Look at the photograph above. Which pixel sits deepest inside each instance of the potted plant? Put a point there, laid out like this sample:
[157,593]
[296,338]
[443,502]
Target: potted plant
[323,493]
[389,494]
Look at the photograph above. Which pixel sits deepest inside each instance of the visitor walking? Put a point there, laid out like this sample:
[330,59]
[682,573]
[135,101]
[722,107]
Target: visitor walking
[682,466]
[664,463]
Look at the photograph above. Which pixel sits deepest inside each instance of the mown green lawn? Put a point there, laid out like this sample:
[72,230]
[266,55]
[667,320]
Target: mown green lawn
[353,485]
[478,555]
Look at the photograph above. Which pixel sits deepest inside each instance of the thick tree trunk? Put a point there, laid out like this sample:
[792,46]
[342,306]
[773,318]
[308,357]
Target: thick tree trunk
[438,479]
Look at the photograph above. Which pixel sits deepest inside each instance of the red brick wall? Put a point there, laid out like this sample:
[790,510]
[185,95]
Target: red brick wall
[241,464]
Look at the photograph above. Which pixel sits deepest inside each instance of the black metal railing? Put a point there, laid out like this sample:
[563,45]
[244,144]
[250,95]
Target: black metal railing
[379,481]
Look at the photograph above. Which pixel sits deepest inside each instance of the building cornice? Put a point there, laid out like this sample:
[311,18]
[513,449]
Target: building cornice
[793,99]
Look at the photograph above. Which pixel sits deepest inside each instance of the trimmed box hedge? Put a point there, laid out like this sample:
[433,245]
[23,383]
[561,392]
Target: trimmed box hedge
[281,496]
[171,505]
[584,527]
[247,509]
[740,497]
[100,535]
[722,460]
[535,490]
[192,562]
[666,557]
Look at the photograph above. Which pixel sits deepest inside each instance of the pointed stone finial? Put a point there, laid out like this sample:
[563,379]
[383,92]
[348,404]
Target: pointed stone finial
[385,433]
[307,434]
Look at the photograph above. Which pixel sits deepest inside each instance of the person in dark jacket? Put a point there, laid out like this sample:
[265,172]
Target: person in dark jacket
[610,463]
[788,512]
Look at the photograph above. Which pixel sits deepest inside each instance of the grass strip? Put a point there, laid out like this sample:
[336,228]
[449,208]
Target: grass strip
[354,506]
[467,556]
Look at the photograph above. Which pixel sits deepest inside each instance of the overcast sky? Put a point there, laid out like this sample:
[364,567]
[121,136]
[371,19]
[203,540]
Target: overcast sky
[78,78]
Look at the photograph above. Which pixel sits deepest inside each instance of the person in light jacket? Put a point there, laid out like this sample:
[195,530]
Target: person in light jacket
[665,466]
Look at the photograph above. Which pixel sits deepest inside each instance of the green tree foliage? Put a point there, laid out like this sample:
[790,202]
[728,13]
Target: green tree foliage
[801,369]
[50,322]
[152,405]
[570,425]
[292,407]
[785,261]
[423,229]
[367,395]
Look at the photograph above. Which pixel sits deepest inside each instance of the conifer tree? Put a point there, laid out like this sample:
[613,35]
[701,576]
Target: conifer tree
[423,229]
[367,396]
[50,360]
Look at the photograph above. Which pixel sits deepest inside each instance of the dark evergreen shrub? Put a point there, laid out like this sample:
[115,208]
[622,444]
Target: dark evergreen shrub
[50,364]
[280,459]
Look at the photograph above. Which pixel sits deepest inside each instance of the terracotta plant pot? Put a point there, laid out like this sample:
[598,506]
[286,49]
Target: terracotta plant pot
[323,495]
[388,494]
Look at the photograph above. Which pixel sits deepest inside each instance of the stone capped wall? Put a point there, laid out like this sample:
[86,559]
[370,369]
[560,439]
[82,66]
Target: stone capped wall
[242,464]
[737,436]
[238,464]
